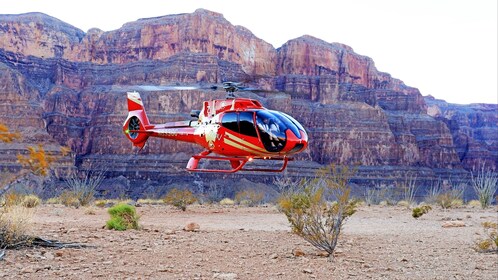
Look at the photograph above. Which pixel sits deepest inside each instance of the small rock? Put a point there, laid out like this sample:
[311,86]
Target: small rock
[49,256]
[225,276]
[323,254]
[59,253]
[307,270]
[273,256]
[191,226]
[450,224]
[298,252]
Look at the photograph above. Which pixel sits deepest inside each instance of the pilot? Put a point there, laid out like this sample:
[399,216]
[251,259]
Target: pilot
[269,127]
[274,127]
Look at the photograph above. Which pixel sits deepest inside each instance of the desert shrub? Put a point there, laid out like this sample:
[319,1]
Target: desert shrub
[417,212]
[123,217]
[372,196]
[408,186]
[215,192]
[69,199]
[490,242]
[6,135]
[404,203]
[309,213]
[101,203]
[451,196]
[38,161]
[12,198]
[53,200]
[457,203]
[433,192]
[179,198]
[449,200]
[34,161]
[150,201]
[227,202]
[249,198]
[380,195]
[485,184]
[284,182]
[30,201]
[90,211]
[83,186]
[15,225]
[474,203]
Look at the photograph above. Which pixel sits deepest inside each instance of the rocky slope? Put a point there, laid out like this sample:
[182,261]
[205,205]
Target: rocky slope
[62,85]
[473,128]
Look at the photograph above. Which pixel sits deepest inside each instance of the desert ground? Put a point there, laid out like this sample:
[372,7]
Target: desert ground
[378,242]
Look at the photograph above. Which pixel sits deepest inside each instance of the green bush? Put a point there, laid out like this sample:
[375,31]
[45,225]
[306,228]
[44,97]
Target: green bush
[419,211]
[123,217]
[180,198]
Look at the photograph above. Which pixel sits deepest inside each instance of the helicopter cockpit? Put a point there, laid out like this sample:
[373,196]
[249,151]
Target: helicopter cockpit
[271,126]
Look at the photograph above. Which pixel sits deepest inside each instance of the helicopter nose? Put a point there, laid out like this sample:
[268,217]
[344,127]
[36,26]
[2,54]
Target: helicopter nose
[295,144]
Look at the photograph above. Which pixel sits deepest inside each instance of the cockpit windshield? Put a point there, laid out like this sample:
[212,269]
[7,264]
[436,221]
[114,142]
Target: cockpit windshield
[272,126]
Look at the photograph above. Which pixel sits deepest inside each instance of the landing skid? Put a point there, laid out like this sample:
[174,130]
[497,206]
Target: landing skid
[237,163]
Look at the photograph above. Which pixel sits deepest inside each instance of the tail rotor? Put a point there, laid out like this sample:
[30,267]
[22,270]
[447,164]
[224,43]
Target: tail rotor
[135,126]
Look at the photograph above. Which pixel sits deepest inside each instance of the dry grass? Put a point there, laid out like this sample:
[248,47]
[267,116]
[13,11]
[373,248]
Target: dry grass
[15,226]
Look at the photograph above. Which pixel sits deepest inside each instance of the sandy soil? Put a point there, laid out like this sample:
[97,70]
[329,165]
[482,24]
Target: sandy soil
[254,243]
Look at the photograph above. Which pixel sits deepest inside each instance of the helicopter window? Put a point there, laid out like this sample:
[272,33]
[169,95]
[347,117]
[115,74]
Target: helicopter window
[246,124]
[272,130]
[294,121]
[288,122]
[240,122]
[229,121]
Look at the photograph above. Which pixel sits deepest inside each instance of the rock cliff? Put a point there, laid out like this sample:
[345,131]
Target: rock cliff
[474,129]
[61,85]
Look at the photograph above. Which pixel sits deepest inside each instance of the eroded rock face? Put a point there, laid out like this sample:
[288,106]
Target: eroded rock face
[70,86]
[474,129]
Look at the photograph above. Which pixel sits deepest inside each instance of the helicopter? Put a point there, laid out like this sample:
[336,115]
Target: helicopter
[236,130]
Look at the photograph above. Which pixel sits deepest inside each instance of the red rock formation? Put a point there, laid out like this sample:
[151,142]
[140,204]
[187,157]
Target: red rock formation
[75,83]
[474,129]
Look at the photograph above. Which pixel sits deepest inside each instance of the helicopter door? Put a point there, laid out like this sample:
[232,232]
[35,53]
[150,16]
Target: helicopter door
[240,122]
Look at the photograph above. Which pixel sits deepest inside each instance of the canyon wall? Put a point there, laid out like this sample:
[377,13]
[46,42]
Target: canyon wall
[61,86]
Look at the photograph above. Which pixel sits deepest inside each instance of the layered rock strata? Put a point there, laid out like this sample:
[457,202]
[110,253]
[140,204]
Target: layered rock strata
[63,86]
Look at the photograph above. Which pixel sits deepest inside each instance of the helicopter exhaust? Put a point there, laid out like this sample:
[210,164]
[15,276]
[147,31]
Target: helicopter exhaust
[137,121]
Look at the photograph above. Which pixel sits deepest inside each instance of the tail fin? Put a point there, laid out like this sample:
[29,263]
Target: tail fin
[137,122]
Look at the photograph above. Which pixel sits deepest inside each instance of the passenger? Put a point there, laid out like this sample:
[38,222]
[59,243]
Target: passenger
[268,128]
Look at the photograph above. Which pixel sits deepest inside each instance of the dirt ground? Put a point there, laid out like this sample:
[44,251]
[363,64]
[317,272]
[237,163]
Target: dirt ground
[253,243]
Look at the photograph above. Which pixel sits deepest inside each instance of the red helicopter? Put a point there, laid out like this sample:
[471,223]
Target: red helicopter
[238,130]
